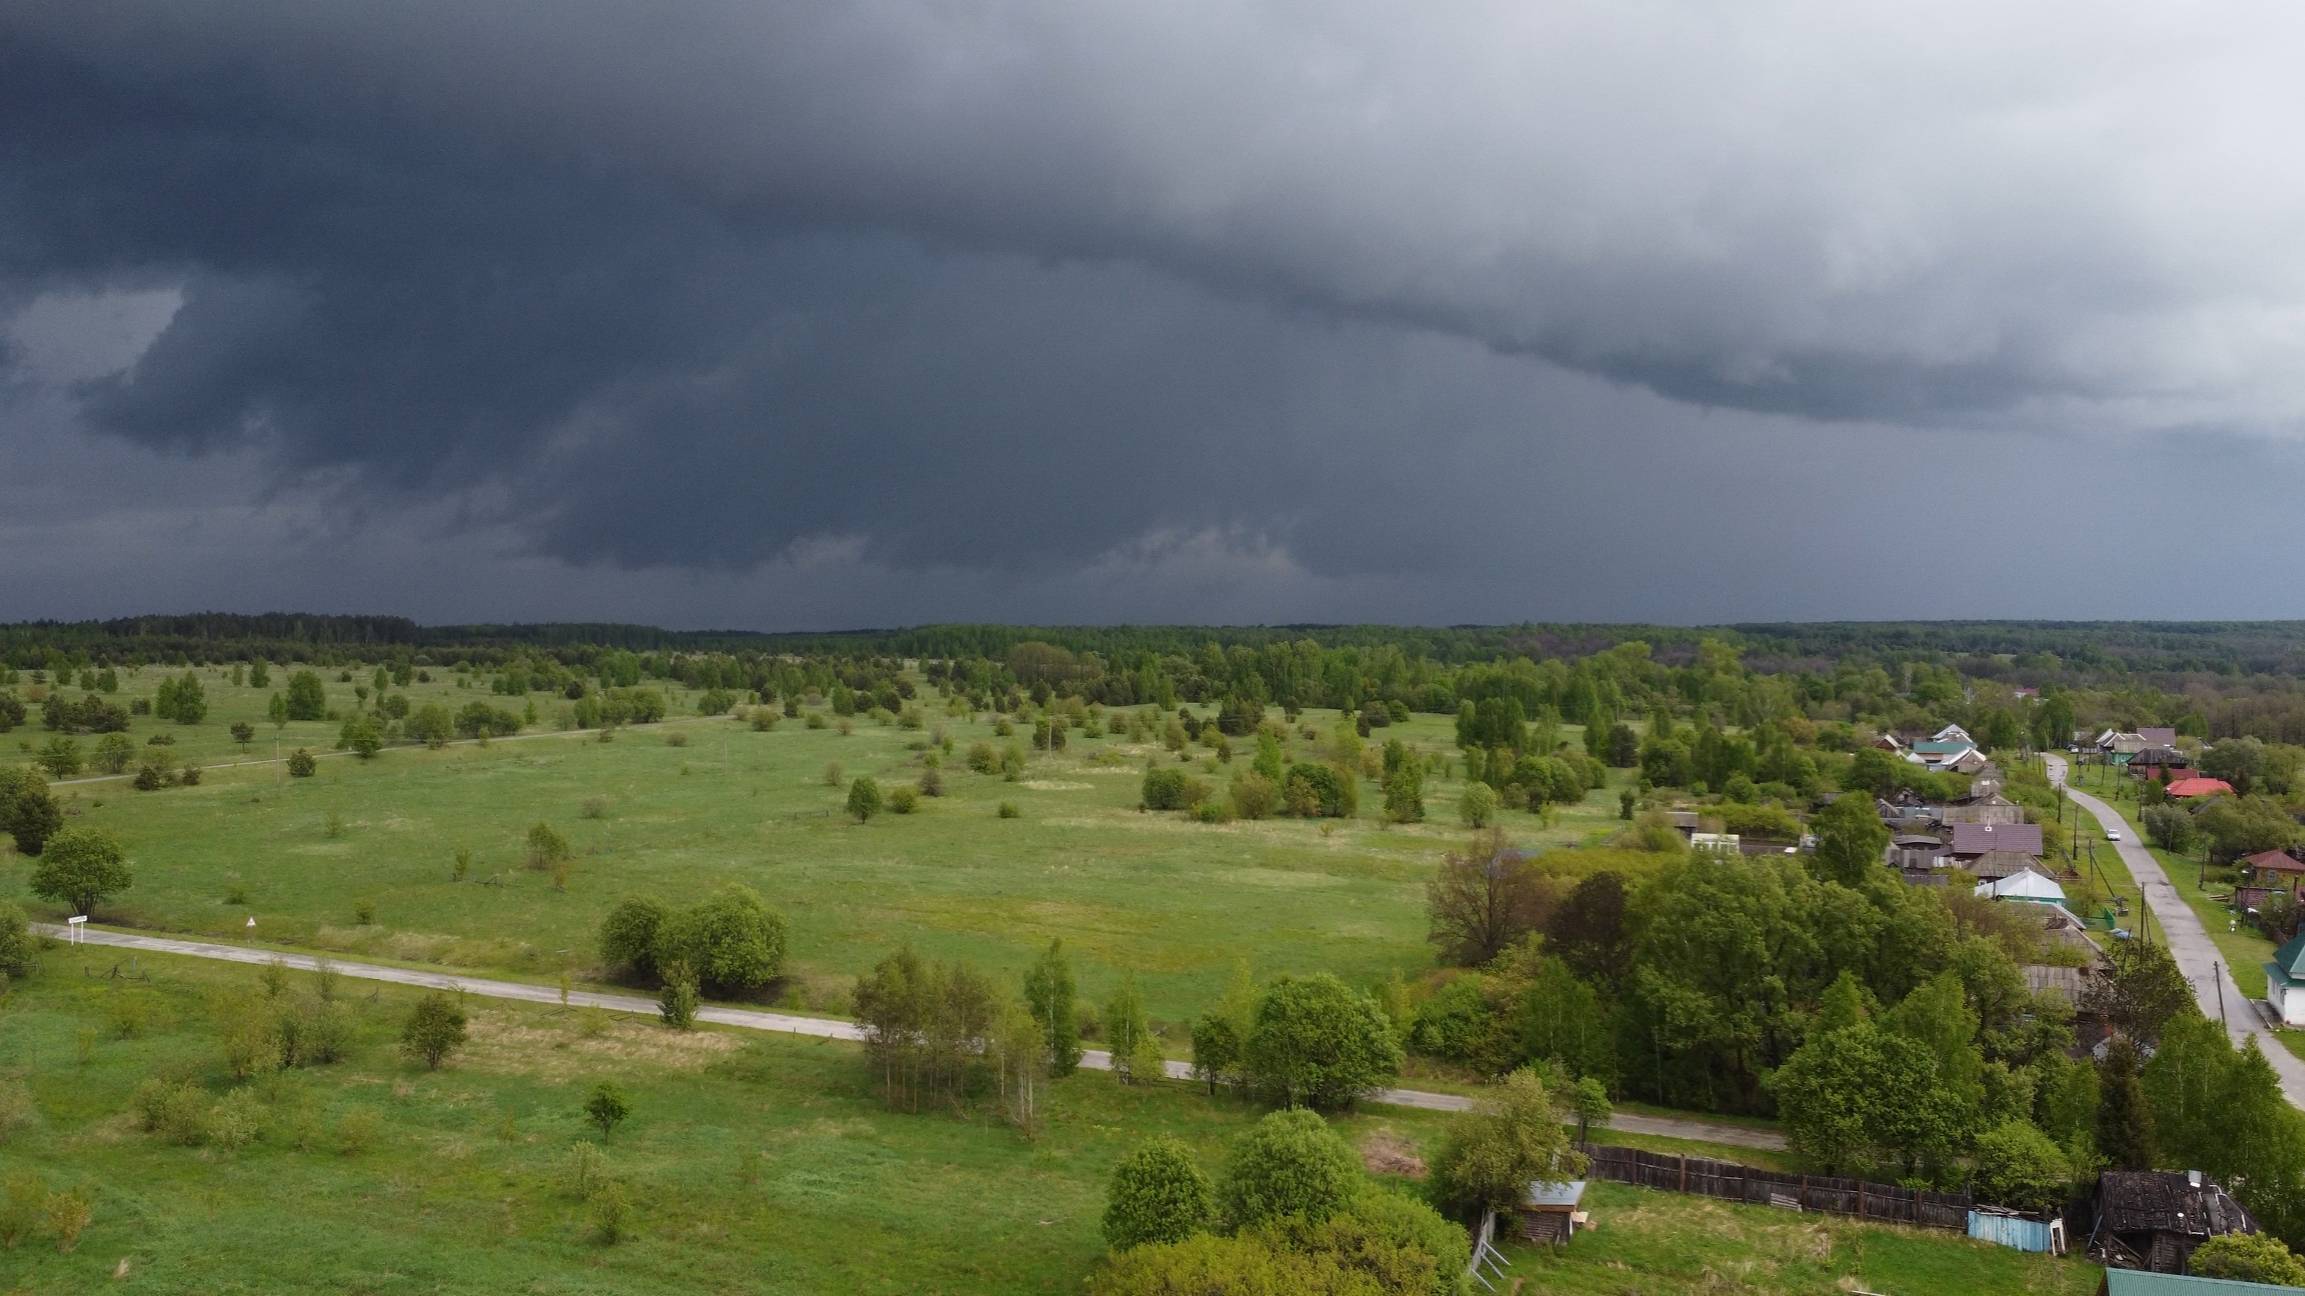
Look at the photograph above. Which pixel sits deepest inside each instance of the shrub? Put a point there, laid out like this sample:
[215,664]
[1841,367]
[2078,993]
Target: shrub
[587,1170]
[1320,790]
[302,764]
[1172,789]
[1254,796]
[21,1206]
[984,758]
[545,847]
[733,941]
[435,1028]
[832,774]
[931,782]
[2020,1167]
[2247,1257]
[676,1003]
[172,1111]
[1212,812]
[17,947]
[68,1213]
[1477,805]
[1290,1163]
[611,1214]
[595,807]
[864,800]
[632,933]
[1008,810]
[903,800]
[1158,1194]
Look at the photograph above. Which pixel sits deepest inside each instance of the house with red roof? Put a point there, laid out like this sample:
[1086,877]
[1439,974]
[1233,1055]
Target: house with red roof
[2187,788]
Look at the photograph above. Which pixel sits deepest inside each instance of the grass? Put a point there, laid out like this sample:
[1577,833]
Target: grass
[1648,1243]
[1174,902]
[754,1162]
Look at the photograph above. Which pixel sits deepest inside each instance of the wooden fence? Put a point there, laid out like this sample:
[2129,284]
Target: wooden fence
[1729,1181]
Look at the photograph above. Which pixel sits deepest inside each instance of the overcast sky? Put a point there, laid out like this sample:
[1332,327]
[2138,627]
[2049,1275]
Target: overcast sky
[802,315]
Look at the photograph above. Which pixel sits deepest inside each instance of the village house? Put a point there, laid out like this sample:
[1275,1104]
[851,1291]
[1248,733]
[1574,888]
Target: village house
[1970,841]
[2186,789]
[2158,735]
[1988,808]
[2152,1220]
[2269,873]
[2285,982]
[2151,762]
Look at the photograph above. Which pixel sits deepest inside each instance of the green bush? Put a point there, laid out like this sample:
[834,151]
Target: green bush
[734,942]
[631,935]
[1172,789]
[1290,1163]
[1323,791]
[1158,1194]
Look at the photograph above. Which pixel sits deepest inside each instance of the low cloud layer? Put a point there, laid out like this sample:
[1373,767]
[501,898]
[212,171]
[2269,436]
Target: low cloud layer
[816,314]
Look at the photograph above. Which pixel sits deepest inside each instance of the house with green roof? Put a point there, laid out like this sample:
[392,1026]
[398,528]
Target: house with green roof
[2285,982]
[2137,1282]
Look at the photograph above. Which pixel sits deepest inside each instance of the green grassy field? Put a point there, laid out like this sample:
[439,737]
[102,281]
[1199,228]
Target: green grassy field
[755,1163]
[1648,1243]
[1175,902]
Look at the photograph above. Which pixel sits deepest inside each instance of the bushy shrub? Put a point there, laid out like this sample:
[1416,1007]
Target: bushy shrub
[1158,1194]
[1172,789]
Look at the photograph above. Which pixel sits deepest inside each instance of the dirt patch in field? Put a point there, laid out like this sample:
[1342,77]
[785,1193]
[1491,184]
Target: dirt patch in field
[1052,785]
[558,1048]
[1386,1153]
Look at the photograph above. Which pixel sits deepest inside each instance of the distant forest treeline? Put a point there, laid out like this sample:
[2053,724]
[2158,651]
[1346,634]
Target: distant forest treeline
[1998,648]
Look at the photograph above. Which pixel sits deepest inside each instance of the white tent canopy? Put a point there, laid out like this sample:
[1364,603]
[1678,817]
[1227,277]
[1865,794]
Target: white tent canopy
[2024,884]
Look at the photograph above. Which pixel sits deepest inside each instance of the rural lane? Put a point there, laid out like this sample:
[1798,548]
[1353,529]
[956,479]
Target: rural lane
[794,1024]
[2188,941]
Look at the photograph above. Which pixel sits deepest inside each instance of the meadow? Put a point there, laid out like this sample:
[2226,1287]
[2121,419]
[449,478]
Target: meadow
[361,857]
[755,1163]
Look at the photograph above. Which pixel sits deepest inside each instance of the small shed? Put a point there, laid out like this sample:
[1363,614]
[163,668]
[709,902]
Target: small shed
[2152,1219]
[1992,866]
[1549,1211]
[2067,984]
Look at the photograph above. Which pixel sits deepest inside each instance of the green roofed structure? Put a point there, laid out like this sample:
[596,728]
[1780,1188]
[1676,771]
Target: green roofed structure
[2285,982]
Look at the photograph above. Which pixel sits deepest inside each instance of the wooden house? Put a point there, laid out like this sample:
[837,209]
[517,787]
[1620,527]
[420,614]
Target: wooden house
[2285,982]
[2152,1219]
[1549,1211]
[1970,841]
[2269,873]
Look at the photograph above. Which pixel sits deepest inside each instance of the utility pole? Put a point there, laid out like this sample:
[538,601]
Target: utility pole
[2217,983]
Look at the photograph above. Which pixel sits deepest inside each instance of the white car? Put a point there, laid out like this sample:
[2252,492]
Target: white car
[2112,834]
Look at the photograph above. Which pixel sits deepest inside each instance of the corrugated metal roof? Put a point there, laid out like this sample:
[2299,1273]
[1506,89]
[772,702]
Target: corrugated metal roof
[2137,1282]
[1554,1194]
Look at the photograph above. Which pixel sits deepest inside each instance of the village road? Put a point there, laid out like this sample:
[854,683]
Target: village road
[2197,957]
[795,1024]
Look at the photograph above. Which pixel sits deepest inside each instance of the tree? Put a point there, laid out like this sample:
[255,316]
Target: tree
[1862,1096]
[1587,930]
[1048,993]
[181,699]
[28,811]
[307,698]
[2247,1257]
[1158,1194]
[79,868]
[632,933]
[2019,1167]
[1318,1042]
[732,940]
[1289,1163]
[301,764]
[544,847]
[60,757]
[2169,826]
[1220,1035]
[1477,805]
[17,948]
[676,1002]
[1510,1139]
[1937,1016]
[1850,841]
[1404,784]
[113,752]
[276,711]
[1254,796]
[607,1107]
[361,737]
[432,725]
[2141,990]
[864,799]
[1485,900]
[1126,1029]
[2125,1136]
[434,1029]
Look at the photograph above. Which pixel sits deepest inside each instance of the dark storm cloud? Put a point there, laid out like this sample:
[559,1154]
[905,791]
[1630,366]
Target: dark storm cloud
[1156,292]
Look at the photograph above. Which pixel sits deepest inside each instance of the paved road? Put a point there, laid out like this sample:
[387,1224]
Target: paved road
[2189,944]
[793,1024]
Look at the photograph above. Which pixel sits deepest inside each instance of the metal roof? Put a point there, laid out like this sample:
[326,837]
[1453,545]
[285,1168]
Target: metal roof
[1559,1195]
[2137,1282]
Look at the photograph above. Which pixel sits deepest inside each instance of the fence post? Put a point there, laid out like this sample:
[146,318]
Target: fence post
[1860,1199]
[1684,1172]
[1804,1192]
